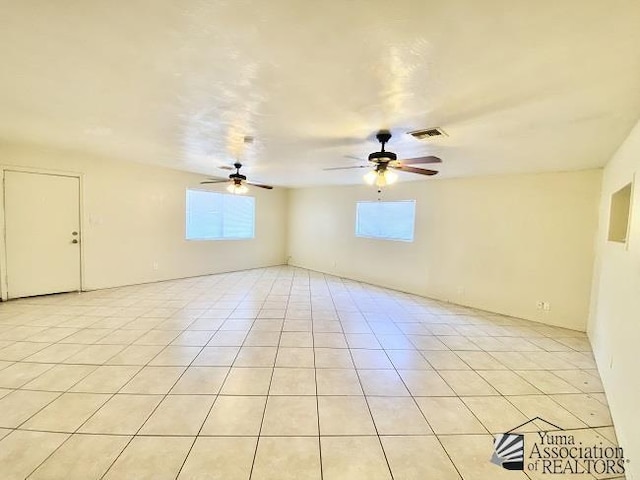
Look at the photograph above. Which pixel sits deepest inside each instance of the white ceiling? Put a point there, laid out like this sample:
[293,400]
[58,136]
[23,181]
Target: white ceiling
[519,86]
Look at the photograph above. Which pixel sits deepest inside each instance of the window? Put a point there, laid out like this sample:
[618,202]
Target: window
[387,220]
[619,215]
[217,216]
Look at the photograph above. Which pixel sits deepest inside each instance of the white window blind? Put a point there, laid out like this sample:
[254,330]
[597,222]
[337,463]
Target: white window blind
[386,220]
[217,216]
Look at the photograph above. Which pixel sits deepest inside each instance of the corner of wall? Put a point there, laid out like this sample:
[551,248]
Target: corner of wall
[613,327]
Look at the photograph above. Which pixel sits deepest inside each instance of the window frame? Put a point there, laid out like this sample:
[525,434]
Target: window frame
[222,238]
[404,240]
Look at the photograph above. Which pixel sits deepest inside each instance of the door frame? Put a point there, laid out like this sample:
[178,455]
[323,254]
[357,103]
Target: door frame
[4,288]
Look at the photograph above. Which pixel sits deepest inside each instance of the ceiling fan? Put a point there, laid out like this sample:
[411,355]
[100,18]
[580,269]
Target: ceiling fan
[383,160]
[237,182]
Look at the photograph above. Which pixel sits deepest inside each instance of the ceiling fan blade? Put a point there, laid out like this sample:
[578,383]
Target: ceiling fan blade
[217,180]
[347,168]
[418,160]
[354,157]
[419,171]
[259,185]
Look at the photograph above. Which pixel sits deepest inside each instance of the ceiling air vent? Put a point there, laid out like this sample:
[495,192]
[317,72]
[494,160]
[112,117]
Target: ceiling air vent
[428,133]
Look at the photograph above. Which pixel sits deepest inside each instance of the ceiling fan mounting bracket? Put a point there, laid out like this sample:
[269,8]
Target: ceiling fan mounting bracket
[383,137]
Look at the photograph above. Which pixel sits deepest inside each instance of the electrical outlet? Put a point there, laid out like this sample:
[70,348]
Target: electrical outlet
[460,290]
[155,265]
[542,305]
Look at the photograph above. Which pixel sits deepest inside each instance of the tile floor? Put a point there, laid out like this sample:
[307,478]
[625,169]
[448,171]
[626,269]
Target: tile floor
[277,373]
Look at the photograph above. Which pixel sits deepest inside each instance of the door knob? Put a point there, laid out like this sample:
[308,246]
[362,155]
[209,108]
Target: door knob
[75,240]
[74,233]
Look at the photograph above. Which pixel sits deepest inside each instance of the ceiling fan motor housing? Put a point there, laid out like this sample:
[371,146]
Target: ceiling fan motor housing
[382,157]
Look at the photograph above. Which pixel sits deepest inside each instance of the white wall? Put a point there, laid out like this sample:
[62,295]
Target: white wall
[496,243]
[614,326]
[134,215]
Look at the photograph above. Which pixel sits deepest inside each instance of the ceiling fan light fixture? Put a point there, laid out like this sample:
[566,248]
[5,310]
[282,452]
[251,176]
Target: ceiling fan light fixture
[390,177]
[370,177]
[381,178]
[237,188]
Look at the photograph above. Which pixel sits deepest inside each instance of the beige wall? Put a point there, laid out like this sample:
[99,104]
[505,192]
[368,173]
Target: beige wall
[614,326]
[496,243]
[134,215]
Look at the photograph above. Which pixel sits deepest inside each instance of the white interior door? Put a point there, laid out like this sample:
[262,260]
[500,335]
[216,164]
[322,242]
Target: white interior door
[42,232]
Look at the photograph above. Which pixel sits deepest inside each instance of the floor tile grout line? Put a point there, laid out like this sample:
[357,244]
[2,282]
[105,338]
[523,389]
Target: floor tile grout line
[481,423]
[95,343]
[421,412]
[384,453]
[333,435]
[550,397]
[498,394]
[415,402]
[266,402]
[40,410]
[537,394]
[98,319]
[509,329]
[81,329]
[374,332]
[145,421]
[159,321]
[215,400]
[315,377]
[588,369]
[69,435]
